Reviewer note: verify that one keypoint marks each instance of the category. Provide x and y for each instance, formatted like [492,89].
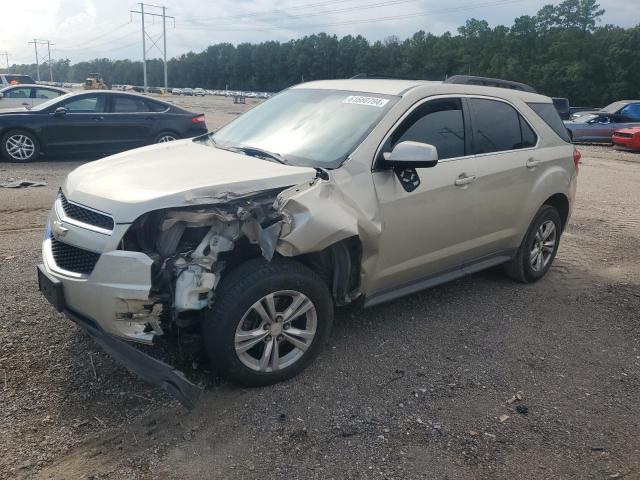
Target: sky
[86,29]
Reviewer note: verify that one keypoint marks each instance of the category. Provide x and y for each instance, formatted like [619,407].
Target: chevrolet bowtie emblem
[58,229]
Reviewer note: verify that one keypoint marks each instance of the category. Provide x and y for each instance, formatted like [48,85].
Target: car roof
[401,87]
[31,85]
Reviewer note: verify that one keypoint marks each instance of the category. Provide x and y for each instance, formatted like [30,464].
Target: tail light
[576,157]
[198,119]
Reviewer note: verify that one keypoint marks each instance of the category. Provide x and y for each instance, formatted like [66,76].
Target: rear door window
[498,127]
[550,115]
[127,104]
[439,123]
[155,106]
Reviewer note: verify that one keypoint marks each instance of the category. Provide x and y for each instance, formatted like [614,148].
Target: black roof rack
[489,82]
[378,76]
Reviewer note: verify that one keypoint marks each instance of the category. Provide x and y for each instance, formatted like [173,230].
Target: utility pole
[37,42]
[50,66]
[35,46]
[164,48]
[6,58]
[154,42]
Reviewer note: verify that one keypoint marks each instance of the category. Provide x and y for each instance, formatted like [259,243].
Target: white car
[27,95]
[199,92]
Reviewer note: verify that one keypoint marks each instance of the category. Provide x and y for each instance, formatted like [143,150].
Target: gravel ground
[479,378]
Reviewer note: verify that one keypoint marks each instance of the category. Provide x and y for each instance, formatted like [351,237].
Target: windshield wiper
[258,152]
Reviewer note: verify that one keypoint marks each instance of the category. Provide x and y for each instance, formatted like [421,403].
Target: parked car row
[599,126]
[224,93]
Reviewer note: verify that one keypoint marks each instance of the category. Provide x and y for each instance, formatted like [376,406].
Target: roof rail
[489,82]
[378,76]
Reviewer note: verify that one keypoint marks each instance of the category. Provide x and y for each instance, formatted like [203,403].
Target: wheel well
[339,266]
[561,203]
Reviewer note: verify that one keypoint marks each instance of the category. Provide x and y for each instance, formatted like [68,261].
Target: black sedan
[93,122]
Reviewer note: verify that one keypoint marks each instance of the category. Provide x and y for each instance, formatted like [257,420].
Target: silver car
[596,127]
[27,96]
[329,193]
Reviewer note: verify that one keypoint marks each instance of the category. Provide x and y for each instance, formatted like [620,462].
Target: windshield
[614,107]
[585,118]
[53,101]
[316,128]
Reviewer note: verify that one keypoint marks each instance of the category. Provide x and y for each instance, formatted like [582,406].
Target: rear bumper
[146,367]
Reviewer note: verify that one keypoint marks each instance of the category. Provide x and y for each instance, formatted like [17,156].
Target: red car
[627,139]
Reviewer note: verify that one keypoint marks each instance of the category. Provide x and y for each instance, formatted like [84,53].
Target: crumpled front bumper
[146,367]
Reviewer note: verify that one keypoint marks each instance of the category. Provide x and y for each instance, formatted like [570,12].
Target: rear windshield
[550,115]
[16,79]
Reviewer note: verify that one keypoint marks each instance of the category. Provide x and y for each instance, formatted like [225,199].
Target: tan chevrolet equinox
[331,192]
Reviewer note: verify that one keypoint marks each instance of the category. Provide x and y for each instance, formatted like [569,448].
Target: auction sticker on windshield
[371,101]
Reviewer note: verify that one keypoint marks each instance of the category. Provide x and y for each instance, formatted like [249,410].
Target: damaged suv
[329,193]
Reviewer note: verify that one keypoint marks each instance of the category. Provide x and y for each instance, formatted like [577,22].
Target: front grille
[73,259]
[623,135]
[85,215]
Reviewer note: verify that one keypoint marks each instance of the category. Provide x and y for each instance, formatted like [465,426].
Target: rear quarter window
[550,115]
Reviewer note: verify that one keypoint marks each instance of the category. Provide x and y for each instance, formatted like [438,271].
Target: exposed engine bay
[190,247]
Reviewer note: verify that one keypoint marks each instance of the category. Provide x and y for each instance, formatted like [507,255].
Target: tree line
[561,51]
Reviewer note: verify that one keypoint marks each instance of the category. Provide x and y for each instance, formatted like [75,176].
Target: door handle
[464,179]
[98,118]
[532,163]
[153,119]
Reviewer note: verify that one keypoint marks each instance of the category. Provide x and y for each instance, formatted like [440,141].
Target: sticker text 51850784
[371,101]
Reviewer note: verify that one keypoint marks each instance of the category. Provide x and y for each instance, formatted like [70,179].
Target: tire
[19,146]
[239,299]
[526,267]
[167,136]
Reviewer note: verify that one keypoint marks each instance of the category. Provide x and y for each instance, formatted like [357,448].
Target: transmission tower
[154,42]
[37,42]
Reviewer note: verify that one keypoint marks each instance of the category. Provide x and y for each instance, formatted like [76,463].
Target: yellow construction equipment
[95,81]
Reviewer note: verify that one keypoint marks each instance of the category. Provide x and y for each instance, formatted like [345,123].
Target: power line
[365,6]
[460,8]
[270,12]
[86,43]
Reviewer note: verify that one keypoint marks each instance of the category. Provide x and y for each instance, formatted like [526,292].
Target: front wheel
[539,247]
[20,146]
[268,322]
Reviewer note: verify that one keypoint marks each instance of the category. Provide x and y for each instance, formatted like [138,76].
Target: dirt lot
[417,388]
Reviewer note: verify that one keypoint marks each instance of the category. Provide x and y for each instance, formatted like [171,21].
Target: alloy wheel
[20,147]
[543,247]
[166,138]
[276,331]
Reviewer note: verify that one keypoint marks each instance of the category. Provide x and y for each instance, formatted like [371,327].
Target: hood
[630,130]
[180,173]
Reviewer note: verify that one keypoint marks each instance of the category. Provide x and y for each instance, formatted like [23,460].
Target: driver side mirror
[412,155]
[60,111]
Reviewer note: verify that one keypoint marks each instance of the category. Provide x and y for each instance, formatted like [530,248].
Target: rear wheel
[166,137]
[20,146]
[539,247]
[269,321]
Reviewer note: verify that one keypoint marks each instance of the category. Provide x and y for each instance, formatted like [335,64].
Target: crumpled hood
[174,174]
